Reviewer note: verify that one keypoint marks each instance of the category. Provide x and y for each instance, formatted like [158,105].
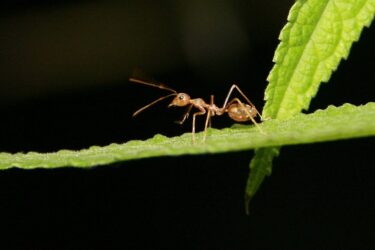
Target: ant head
[180,100]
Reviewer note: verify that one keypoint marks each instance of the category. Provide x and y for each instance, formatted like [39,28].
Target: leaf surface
[333,123]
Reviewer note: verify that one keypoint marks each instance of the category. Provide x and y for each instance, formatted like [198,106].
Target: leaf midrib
[309,41]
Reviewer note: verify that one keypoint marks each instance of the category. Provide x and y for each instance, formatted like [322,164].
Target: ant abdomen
[241,112]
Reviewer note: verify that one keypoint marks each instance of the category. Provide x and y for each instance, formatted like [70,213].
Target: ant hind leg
[232,88]
[242,105]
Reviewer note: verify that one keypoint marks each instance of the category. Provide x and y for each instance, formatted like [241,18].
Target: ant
[235,108]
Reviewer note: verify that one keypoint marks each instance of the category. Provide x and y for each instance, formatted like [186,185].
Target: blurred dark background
[64,67]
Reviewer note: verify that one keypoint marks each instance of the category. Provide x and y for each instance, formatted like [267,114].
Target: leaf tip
[248,197]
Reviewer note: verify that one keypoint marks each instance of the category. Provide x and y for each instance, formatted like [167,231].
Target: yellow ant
[236,110]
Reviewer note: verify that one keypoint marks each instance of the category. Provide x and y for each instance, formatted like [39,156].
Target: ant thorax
[198,102]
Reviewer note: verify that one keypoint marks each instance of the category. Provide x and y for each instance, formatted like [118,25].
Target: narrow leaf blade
[333,123]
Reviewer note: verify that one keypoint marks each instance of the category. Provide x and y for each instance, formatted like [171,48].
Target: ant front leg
[185,115]
[201,112]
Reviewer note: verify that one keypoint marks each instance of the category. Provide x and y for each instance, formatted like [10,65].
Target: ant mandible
[235,108]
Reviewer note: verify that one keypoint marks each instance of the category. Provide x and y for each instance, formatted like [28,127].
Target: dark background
[64,67]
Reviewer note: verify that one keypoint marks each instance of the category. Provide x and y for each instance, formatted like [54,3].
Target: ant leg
[208,120]
[211,104]
[234,86]
[201,112]
[247,112]
[185,115]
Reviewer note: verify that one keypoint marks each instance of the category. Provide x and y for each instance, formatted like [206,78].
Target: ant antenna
[152,103]
[160,86]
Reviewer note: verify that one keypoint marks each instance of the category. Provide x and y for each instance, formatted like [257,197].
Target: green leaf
[334,123]
[319,33]
[263,157]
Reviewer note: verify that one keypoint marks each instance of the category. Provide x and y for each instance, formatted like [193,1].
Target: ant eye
[181,100]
